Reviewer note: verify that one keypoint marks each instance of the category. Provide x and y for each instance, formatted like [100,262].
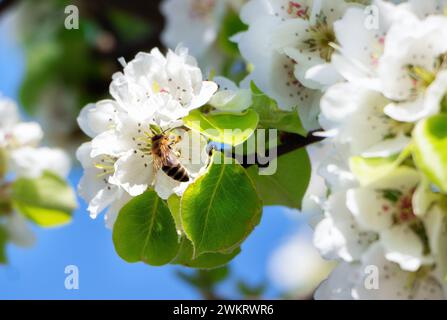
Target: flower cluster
[22,158]
[290,45]
[197,25]
[150,98]
[368,76]
[390,217]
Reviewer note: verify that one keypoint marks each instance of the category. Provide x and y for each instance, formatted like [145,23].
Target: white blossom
[393,282]
[273,70]
[414,56]
[151,97]
[20,141]
[355,116]
[194,23]
[339,235]
[94,185]
[152,74]
[376,278]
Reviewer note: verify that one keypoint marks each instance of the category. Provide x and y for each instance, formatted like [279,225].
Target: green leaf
[227,128]
[3,242]
[270,116]
[204,261]
[368,170]
[287,186]
[230,25]
[174,206]
[145,231]
[48,201]
[221,208]
[430,149]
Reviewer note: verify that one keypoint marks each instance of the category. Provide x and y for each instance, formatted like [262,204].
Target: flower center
[106,165]
[399,204]
[322,36]
[297,9]
[395,128]
[422,78]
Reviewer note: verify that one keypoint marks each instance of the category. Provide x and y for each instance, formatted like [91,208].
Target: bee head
[157,137]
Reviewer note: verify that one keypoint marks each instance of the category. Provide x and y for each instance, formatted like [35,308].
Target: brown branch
[289,142]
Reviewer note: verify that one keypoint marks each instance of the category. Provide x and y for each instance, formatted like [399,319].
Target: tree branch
[289,142]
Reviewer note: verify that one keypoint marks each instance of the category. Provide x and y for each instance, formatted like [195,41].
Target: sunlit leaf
[145,231]
[48,201]
[227,128]
[174,206]
[288,184]
[430,149]
[270,116]
[204,261]
[368,170]
[221,208]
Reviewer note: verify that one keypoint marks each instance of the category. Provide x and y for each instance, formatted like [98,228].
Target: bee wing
[168,157]
[157,163]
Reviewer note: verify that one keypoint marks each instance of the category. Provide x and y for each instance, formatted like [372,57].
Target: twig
[289,143]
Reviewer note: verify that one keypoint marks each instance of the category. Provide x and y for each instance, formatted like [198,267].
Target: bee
[166,159]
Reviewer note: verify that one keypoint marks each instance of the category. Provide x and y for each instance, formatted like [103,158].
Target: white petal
[404,247]
[388,147]
[435,93]
[368,210]
[32,162]
[339,233]
[19,231]
[133,172]
[193,151]
[9,113]
[27,133]
[423,198]
[196,30]
[324,74]
[369,205]
[206,92]
[108,143]
[410,111]
[83,154]
[112,214]
[164,185]
[96,191]
[338,285]
[102,200]
[393,283]
[97,118]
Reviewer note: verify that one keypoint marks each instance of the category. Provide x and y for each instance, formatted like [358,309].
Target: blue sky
[38,273]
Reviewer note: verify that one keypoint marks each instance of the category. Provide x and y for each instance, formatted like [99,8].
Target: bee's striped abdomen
[177,172]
